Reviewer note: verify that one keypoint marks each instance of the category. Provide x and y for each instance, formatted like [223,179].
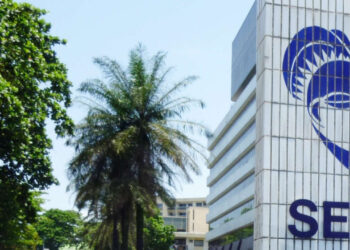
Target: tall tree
[33,88]
[133,139]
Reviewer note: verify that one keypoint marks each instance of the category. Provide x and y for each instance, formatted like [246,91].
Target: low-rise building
[188,216]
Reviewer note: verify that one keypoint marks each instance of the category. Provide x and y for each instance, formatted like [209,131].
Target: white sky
[196,34]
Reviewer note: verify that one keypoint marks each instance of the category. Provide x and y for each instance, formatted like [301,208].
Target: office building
[279,159]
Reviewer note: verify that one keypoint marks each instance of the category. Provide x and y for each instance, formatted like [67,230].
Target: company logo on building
[316,69]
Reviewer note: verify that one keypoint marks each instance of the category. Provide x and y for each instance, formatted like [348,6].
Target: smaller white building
[188,216]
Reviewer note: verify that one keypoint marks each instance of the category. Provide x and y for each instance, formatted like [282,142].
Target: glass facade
[233,214]
[236,146]
[236,168]
[232,194]
[198,243]
[232,180]
[242,237]
[178,223]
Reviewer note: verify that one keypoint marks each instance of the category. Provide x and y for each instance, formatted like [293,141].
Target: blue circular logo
[316,70]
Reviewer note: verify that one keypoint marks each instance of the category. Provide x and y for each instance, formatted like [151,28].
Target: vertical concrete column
[303,119]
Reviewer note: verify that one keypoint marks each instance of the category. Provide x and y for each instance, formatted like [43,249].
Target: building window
[198,243]
[199,204]
[160,206]
[171,214]
[182,214]
[180,242]
[180,224]
[182,205]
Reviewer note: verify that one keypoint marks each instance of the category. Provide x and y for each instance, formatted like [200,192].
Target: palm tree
[132,140]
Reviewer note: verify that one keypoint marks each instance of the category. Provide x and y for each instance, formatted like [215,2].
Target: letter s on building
[293,210]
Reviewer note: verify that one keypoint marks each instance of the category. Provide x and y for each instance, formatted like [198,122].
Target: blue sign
[328,219]
[316,70]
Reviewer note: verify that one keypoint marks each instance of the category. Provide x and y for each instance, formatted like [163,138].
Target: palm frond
[191,126]
[95,88]
[158,63]
[113,72]
[182,84]
[161,79]
[137,68]
[167,146]
[182,101]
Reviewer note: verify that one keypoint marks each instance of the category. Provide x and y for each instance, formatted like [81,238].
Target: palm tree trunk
[125,228]
[139,227]
[115,243]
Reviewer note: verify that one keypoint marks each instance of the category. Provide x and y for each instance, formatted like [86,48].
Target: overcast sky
[196,34]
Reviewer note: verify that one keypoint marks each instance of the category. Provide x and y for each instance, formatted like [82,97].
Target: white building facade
[279,159]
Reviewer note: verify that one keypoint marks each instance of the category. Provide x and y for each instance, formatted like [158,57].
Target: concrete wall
[196,220]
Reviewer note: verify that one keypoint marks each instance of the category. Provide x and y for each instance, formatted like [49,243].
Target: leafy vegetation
[33,88]
[59,228]
[97,235]
[132,141]
[157,235]
[20,231]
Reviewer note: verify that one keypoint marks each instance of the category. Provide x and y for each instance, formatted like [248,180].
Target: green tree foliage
[89,238]
[96,235]
[59,228]
[19,232]
[29,239]
[157,235]
[132,140]
[33,88]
